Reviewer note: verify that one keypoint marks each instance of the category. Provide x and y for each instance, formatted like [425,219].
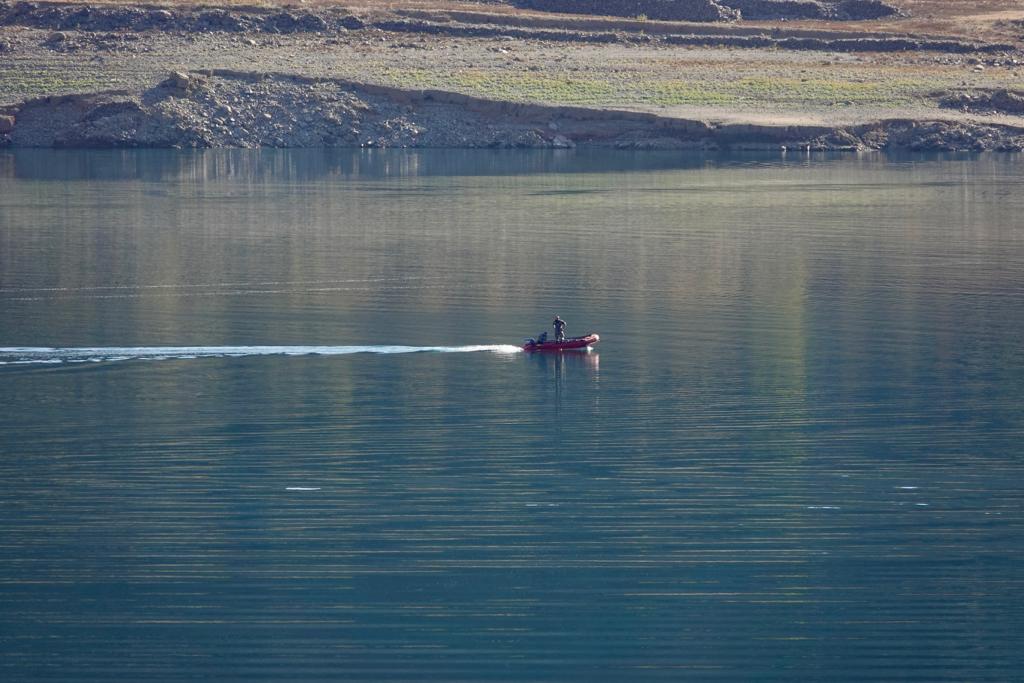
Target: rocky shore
[189,76]
[720,10]
[987,102]
[222,108]
[60,18]
[64,17]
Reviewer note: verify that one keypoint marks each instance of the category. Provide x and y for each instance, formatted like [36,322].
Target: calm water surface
[795,455]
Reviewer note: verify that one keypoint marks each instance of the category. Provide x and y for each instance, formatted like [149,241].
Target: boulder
[311,23]
[179,80]
[1009,102]
[562,142]
[154,19]
[864,10]
[352,23]
[283,22]
[217,20]
[760,10]
[1002,101]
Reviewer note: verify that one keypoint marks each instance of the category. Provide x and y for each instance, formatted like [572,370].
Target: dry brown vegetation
[757,85]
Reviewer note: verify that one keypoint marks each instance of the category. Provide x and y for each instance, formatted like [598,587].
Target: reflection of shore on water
[318,164]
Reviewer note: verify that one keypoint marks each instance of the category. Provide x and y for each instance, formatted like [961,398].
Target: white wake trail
[18,355]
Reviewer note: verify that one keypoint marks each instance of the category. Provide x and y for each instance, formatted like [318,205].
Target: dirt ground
[737,84]
[973,19]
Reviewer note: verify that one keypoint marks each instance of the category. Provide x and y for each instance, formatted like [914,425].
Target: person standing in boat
[559,326]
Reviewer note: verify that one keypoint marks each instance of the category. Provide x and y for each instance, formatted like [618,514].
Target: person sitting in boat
[541,338]
[559,326]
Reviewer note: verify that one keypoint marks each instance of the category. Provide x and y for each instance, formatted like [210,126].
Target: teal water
[262,420]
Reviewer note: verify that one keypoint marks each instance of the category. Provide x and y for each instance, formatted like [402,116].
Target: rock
[5,46]
[684,10]
[659,144]
[352,23]
[57,37]
[841,139]
[283,22]
[179,80]
[766,10]
[864,10]
[6,124]
[1003,101]
[1007,101]
[157,18]
[562,142]
[217,20]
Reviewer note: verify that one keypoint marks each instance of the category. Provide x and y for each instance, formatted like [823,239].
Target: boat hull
[565,345]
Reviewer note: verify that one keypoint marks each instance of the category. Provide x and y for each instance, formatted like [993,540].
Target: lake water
[263,417]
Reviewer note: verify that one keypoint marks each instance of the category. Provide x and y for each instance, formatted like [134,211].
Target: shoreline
[120,75]
[223,108]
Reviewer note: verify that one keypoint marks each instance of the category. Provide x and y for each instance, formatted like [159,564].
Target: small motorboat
[569,343]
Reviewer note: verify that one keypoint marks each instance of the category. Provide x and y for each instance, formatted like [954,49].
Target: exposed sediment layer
[64,17]
[999,101]
[843,10]
[720,10]
[871,44]
[239,109]
[255,20]
[685,10]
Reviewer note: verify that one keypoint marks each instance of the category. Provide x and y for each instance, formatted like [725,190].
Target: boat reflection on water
[572,374]
[561,362]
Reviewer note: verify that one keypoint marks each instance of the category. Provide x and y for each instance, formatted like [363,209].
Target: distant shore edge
[233,109]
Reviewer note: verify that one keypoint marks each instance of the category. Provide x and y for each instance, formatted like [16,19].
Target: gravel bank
[721,10]
[222,108]
[62,17]
[99,75]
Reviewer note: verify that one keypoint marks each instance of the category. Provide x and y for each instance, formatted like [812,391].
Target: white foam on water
[29,362]
[302,488]
[42,354]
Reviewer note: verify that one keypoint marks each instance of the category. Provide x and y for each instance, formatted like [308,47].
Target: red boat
[564,345]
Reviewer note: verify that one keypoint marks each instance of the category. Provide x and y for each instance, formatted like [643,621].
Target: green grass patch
[17,84]
[626,88]
[512,85]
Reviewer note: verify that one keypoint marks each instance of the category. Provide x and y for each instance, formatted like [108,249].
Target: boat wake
[35,355]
